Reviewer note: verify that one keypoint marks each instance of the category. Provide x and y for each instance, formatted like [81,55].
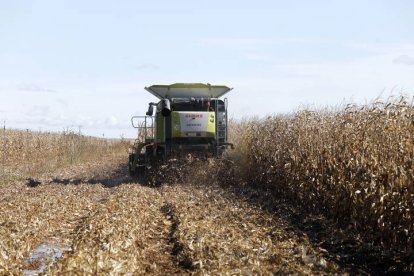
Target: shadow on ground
[343,246]
[114,178]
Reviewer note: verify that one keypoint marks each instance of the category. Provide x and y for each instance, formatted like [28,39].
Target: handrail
[145,123]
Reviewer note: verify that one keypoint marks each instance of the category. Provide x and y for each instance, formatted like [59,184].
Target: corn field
[31,153]
[354,165]
[83,214]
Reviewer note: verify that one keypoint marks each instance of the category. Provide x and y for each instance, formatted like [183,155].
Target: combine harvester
[189,119]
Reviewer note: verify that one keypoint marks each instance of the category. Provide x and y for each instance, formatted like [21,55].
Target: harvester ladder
[221,126]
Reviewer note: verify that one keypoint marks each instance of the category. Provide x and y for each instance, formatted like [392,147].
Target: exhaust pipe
[165,107]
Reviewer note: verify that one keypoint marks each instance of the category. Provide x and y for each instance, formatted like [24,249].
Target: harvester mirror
[150,111]
[165,107]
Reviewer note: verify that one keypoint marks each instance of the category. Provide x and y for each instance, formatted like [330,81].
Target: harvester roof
[185,90]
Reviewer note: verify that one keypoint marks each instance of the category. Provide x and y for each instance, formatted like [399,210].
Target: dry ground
[103,222]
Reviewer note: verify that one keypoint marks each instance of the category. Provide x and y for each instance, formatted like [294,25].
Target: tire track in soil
[130,235]
[182,258]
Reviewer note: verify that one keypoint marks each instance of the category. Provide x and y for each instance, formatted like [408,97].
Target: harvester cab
[189,118]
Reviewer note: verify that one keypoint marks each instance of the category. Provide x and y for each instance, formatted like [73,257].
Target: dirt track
[101,221]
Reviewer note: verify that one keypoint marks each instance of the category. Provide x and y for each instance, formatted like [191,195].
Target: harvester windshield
[201,105]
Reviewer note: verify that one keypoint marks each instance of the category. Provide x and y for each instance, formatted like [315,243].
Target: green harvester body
[189,118]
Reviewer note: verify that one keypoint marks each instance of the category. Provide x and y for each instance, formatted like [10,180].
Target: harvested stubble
[354,165]
[127,235]
[217,230]
[30,216]
[187,229]
[222,235]
[140,230]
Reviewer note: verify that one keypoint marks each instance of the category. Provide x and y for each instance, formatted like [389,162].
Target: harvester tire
[132,172]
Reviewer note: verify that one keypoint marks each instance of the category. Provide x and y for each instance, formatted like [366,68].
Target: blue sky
[71,64]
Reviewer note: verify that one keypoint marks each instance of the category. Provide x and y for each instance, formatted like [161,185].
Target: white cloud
[62,102]
[404,60]
[34,88]
[264,87]
[220,42]
[256,57]
[147,66]
[382,48]
[324,83]
[111,121]
[38,111]
[248,42]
